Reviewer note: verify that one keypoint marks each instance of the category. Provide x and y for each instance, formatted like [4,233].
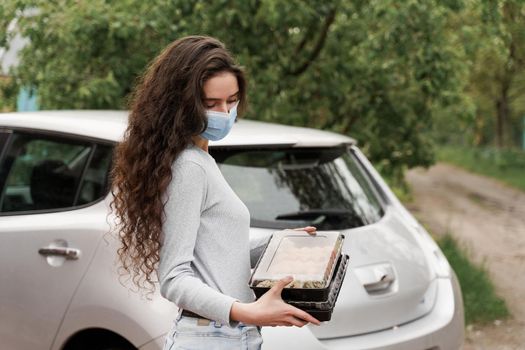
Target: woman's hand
[271,310]
[309,229]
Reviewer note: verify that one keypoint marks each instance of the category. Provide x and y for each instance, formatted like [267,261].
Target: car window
[285,188]
[41,172]
[4,136]
[95,182]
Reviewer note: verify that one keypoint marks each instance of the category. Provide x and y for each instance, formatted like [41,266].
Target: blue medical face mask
[219,123]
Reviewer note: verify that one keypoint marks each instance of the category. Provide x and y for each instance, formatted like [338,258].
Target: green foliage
[401,190]
[494,37]
[481,303]
[376,70]
[87,54]
[8,91]
[506,165]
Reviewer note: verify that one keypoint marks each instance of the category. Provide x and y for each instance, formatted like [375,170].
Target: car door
[50,185]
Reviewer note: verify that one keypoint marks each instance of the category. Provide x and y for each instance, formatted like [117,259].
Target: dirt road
[488,219]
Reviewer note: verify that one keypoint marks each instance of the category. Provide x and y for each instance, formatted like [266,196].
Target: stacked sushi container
[316,263]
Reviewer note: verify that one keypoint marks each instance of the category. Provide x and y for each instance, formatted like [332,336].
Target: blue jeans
[190,333]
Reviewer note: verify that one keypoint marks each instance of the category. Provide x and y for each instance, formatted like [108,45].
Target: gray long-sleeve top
[206,252]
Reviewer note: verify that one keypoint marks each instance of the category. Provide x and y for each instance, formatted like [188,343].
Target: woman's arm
[186,198]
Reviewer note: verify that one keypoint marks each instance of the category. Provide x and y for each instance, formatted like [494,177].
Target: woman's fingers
[309,229]
[292,315]
[279,286]
[296,321]
[290,322]
[300,314]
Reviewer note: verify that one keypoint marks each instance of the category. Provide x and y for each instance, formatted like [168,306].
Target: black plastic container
[334,288]
[296,294]
[323,310]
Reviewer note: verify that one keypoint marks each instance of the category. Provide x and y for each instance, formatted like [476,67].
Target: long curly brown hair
[166,110]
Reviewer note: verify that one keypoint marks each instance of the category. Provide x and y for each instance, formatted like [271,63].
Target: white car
[59,278]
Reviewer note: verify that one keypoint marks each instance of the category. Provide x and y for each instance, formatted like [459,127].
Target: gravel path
[488,219]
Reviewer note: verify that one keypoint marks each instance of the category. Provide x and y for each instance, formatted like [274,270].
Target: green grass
[507,166]
[482,305]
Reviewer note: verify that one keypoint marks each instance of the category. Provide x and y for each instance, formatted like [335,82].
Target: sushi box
[316,263]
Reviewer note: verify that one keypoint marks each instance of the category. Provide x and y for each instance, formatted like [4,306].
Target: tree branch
[329,19]
[304,40]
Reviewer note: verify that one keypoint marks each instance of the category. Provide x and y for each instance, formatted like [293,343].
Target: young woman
[178,217]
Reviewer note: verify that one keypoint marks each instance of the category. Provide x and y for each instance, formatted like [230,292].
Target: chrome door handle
[384,282]
[377,278]
[68,253]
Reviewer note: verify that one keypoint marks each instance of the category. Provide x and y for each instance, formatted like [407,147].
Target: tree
[376,70]
[498,75]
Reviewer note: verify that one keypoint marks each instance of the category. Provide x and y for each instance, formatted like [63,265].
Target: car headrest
[52,185]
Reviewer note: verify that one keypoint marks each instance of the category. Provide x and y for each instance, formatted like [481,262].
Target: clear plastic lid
[310,259]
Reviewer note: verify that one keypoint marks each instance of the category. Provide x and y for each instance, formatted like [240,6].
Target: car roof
[110,125]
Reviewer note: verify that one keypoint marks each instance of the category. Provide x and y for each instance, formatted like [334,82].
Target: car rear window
[285,188]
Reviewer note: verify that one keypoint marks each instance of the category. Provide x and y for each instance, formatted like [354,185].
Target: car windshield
[295,187]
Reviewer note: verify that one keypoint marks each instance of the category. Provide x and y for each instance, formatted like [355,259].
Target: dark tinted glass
[4,136]
[41,172]
[289,188]
[95,180]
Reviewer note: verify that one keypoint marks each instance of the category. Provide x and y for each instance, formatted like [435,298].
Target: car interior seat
[52,185]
